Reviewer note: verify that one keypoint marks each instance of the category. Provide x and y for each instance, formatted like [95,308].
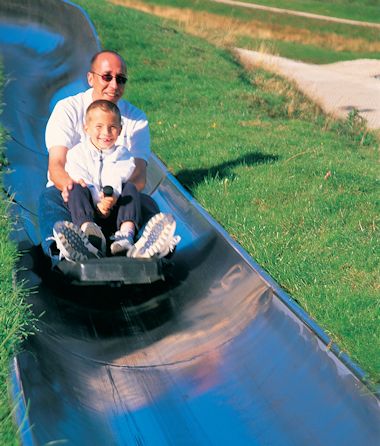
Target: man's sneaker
[95,236]
[73,243]
[157,239]
[122,244]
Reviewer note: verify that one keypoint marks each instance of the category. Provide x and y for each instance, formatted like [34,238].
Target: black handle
[108,191]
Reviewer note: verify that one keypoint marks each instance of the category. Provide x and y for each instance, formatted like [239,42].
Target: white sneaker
[122,244]
[73,243]
[158,238]
[95,236]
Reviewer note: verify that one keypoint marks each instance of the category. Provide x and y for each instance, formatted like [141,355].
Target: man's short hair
[106,106]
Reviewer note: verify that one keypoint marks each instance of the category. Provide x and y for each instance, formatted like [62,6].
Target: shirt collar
[95,152]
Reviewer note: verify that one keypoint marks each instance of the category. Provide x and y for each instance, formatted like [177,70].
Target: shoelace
[119,236]
[60,255]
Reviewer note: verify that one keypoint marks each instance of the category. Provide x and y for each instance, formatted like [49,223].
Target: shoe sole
[96,237]
[156,238]
[73,243]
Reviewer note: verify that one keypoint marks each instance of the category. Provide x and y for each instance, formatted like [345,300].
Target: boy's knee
[129,188]
[79,190]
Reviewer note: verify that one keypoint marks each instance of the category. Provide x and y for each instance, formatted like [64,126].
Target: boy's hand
[106,204]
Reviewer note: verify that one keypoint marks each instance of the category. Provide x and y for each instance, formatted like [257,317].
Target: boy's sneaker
[122,244]
[73,243]
[95,236]
[158,238]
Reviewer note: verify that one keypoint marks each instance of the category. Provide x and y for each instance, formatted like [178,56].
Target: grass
[289,36]
[298,190]
[14,316]
[362,10]
[305,52]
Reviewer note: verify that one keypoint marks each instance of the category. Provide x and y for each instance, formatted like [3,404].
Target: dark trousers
[52,208]
[131,205]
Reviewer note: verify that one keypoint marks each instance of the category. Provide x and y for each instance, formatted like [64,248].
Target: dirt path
[338,87]
[299,13]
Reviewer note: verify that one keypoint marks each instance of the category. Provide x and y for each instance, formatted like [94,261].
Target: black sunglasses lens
[107,77]
[121,79]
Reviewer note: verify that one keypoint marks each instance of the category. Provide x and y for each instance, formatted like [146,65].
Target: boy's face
[103,127]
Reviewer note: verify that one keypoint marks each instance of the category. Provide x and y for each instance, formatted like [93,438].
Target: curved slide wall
[217,354]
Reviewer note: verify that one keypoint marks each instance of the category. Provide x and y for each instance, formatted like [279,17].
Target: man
[107,78]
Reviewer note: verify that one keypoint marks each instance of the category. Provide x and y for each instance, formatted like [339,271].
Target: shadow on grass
[191,178]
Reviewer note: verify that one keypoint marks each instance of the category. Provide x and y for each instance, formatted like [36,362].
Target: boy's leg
[158,237]
[81,205]
[73,243]
[134,210]
[128,220]
[129,206]
[135,206]
[82,209]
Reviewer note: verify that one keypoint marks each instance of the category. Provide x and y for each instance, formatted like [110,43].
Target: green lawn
[296,190]
[363,10]
[309,40]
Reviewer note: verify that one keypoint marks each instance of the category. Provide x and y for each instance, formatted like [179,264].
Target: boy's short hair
[104,105]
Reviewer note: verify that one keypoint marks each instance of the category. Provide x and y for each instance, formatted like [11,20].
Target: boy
[98,162]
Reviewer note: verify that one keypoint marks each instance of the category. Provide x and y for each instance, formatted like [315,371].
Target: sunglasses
[120,79]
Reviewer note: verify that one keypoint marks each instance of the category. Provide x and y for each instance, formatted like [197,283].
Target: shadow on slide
[215,354]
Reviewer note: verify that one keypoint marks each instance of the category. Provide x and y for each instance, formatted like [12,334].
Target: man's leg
[149,208]
[51,209]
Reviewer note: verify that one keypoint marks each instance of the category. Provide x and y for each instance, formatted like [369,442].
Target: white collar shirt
[98,168]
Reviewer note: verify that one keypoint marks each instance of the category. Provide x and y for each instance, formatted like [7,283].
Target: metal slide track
[217,354]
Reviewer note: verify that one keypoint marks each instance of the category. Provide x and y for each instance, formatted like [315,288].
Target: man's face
[110,64]
[103,127]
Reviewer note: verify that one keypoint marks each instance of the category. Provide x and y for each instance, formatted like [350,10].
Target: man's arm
[57,161]
[57,172]
[138,177]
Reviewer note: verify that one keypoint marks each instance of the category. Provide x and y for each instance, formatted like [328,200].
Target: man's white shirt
[66,125]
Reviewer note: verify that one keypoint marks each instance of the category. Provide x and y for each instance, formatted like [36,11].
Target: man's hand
[67,187]
[58,174]
[106,204]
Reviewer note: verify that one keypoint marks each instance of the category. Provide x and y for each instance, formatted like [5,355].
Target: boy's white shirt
[97,168]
